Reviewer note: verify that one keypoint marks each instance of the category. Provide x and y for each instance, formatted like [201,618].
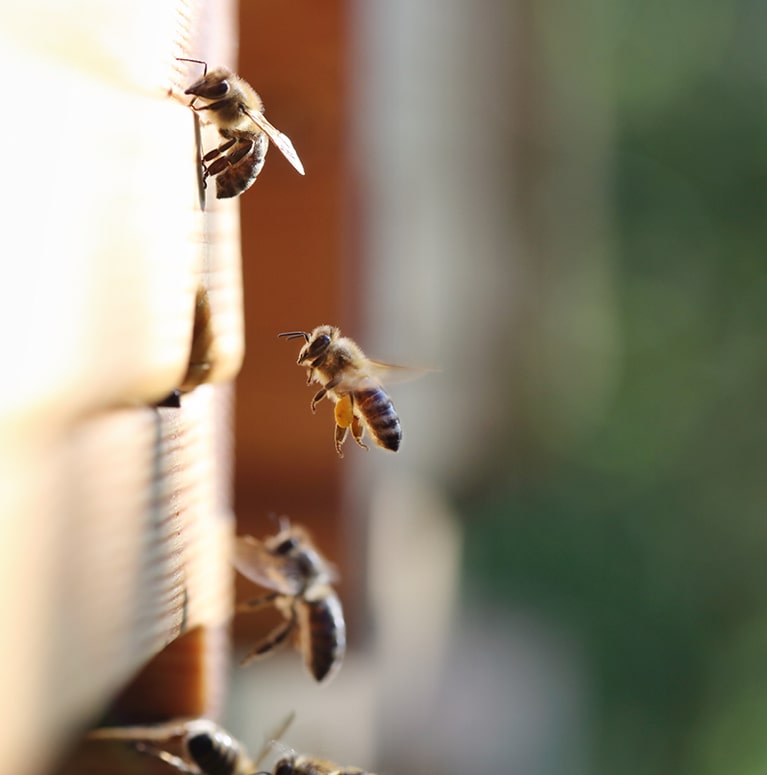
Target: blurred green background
[629,508]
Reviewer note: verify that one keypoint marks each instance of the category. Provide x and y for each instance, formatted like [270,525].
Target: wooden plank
[116,524]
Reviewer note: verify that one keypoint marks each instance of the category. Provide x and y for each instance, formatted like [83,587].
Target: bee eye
[286,546]
[219,89]
[201,746]
[319,344]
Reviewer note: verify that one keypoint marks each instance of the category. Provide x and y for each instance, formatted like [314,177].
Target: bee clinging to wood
[351,381]
[204,747]
[231,104]
[301,579]
[293,764]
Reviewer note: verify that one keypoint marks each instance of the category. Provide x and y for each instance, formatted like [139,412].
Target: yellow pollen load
[344,412]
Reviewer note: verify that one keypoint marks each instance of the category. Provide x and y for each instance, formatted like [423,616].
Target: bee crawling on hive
[203,747]
[351,381]
[296,764]
[231,104]
[301,579]
[206,748]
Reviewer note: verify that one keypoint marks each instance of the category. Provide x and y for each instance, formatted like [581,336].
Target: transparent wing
[377,373]
[273,740]
[391,372]
[154,732]
[280,139]
[253,560]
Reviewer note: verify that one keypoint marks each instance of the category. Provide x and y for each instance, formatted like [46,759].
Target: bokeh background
[561,207]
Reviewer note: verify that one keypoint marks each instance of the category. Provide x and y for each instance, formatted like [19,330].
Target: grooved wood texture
[115,515]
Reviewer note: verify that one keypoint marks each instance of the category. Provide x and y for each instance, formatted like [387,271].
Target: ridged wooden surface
[115,522]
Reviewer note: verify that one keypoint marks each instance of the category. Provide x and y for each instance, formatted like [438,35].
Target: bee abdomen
[214,754]
[380,416]
[304,765]
[237,170]
[325,630]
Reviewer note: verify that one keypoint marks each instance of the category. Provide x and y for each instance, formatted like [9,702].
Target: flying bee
[349,379]
[301,579]
[235,109]
[205,748]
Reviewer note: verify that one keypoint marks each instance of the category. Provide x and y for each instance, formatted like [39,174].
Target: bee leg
[340,438]
[325,388]
[322,394]
[210,155]
[344,414]
[271,640]
[358,429]
[242,147]
[213,162]
[174,761]
[257,603]
[317,398]
[219,165]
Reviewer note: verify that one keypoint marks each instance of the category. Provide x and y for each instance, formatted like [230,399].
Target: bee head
[215,85]
[286,546]
[201,746]
[317,343]
[285,766]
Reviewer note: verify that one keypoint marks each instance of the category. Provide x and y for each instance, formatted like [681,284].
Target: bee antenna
[295,335]
[196,61]
[281,520]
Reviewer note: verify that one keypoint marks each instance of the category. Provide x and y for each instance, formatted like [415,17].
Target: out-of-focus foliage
[646,535]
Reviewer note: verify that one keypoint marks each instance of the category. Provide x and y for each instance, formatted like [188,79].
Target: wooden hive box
[116,519]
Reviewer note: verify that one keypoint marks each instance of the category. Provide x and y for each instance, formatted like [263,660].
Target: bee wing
[273,740]
[254,561]
[155,733]
[379,373]
[280,139]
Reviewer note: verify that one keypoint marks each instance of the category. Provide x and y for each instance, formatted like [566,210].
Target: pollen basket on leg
[344,412]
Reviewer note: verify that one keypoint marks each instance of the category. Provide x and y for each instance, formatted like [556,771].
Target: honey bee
[349,379]
[292,764]
[301,579]
[205,747]
[236,110]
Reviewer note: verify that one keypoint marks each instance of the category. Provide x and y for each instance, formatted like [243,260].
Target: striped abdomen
[238,165]
[380,416]
[214,754]
[322,632]
[308,765]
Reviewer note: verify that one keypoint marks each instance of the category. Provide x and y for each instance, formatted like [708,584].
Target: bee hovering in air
[350,379]
[232,105]
[289,564]
[204,747]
